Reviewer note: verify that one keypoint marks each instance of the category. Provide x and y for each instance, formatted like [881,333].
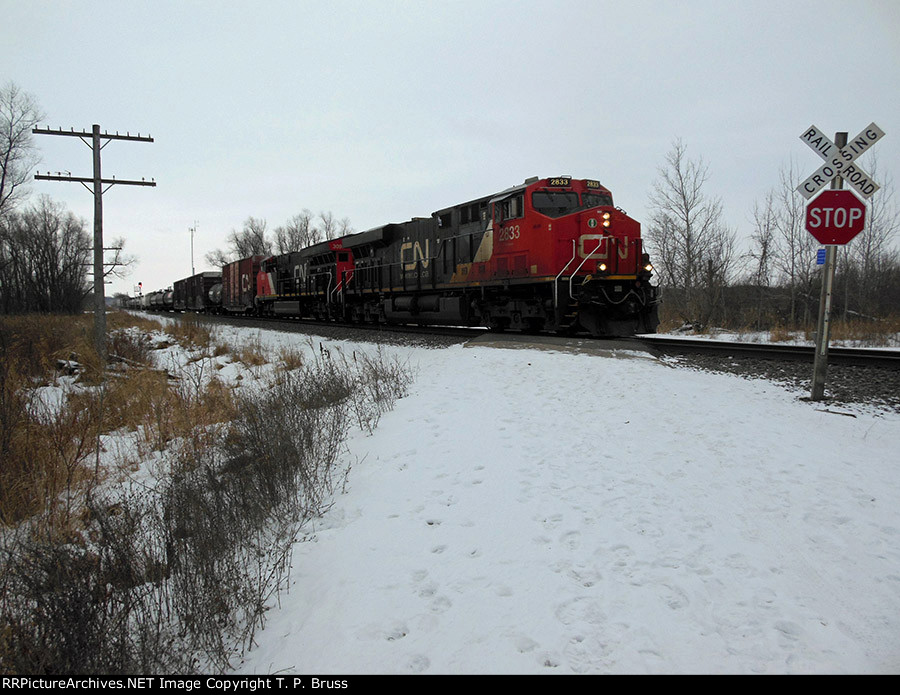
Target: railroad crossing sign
[839,161]
[835,217]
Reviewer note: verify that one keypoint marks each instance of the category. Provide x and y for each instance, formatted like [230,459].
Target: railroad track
[864,357]
[656,344]
[336,330]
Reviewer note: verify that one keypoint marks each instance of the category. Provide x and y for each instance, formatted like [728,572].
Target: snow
[552,509]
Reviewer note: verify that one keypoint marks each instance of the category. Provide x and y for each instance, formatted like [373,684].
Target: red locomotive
[549,254]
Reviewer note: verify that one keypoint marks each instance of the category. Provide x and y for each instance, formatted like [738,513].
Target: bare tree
[297,233]
[218,257]
[762,250]
[120,264]
[692,246]
[795,247]
[331,228]
[344,227]
[250,241]
[328,228]
[19,112]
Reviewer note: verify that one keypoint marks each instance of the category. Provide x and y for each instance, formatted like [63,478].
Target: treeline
[709,281]
[43,259]
[43,249]
[302,230]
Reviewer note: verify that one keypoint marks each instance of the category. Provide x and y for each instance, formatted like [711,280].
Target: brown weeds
[174,575]
[191,332]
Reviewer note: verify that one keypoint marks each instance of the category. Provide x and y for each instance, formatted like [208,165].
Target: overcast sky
[382,111]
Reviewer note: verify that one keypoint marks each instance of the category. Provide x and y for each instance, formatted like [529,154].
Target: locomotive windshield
[559,203]
[593,200]
[554,203]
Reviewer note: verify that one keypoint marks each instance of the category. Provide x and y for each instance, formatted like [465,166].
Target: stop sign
[835,217]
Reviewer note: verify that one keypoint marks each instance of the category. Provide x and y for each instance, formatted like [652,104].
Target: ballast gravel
[845,384]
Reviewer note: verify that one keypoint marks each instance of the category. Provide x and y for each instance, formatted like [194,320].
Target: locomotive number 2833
[509,233]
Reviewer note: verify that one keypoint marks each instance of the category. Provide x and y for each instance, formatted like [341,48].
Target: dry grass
[49,452]
[36,342]
[874,333]
[45,451]
[251,354]
[780,334]
[290,358]
[191,333]
[669,320]
[121,319]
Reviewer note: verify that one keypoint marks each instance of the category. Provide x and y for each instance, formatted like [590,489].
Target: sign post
[834,218]
[820,361]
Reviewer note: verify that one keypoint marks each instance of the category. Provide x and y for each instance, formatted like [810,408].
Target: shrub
[173,577]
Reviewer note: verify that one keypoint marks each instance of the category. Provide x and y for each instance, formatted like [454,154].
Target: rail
[868,357]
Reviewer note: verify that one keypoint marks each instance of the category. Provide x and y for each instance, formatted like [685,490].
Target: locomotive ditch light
[602,267]
[649,267]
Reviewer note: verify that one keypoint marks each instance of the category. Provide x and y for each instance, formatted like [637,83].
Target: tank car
[214,298]
[549,254]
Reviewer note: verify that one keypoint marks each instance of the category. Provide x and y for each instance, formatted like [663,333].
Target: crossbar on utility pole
[97,182]
[820,361]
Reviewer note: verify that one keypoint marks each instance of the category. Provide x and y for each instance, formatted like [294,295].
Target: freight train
[551,254]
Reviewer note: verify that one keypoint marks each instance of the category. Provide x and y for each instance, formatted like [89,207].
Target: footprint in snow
[417,663]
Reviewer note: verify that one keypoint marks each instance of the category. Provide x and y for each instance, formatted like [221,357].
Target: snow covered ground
[535,510]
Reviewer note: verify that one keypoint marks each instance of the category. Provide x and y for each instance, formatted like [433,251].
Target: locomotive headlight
[606,219]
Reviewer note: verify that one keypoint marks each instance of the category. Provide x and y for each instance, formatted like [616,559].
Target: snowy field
[540,511]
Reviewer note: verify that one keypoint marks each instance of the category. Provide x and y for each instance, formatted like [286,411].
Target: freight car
[161,300]
[238,294]
[549,254]
[193,293]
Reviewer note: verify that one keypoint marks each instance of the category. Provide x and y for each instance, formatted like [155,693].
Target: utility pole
[98,190]
[192,230]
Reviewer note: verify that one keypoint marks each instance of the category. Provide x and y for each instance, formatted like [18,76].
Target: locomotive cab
[591,249]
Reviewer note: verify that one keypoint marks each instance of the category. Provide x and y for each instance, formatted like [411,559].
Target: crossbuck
[840,162]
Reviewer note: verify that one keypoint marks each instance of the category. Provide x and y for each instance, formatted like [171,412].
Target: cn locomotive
[550,254]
